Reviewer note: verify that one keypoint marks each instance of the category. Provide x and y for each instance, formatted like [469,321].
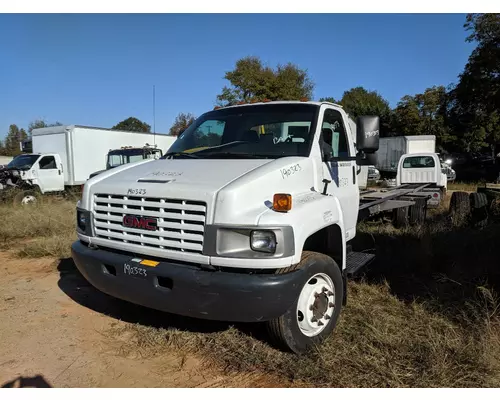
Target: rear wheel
[418,211]
[400,217]
[313,316]
[460,207]
[479,209]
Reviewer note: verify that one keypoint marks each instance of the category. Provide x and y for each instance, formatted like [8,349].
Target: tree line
[464,116]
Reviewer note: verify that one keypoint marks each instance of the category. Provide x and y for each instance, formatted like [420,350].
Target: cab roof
[316,103]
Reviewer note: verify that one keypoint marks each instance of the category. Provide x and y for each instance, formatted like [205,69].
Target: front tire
[313,316]
[27,198]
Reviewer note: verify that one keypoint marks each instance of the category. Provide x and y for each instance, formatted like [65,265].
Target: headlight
[82,220]
[264,241]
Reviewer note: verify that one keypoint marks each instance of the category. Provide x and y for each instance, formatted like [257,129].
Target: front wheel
[26,198]
[313,316]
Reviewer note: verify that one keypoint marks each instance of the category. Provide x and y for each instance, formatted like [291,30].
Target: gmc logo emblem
[147,223]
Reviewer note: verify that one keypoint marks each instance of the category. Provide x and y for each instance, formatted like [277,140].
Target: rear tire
[314,314]
[460,208]
[418,211]
[479,209]
[400,217]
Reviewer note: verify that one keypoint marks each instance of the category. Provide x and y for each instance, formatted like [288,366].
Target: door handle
[59,171]
[354,174]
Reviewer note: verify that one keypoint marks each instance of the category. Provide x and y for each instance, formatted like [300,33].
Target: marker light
[282,202]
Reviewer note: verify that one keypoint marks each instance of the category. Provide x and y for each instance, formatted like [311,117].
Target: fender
[311,212]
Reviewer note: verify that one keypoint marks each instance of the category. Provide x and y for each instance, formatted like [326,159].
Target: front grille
[181,223]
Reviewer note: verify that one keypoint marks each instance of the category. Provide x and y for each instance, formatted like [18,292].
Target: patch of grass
[462,186]
[424,315]
[41,230]
[380,342]
[52,246]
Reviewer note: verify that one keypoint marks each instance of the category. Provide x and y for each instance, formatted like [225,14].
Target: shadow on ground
[441,267]
[75,286]
[37,381]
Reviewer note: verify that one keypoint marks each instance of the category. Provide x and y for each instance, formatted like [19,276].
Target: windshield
[260,131]
[24,161]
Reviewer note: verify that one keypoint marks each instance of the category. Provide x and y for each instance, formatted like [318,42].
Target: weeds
[42,230]
[379,342]
[424,315]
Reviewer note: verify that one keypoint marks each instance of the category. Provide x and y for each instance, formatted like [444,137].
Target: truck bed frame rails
[374,201]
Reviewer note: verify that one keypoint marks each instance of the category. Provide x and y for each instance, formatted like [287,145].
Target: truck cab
[423,169]
[252,226]
[129,154]
[43,172]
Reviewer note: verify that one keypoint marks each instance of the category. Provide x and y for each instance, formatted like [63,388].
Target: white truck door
[50,173]
[341,170]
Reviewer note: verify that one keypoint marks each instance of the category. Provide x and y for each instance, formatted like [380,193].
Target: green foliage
[252,81]
[424,114]
[132,124]
[181,123]
[329,100]
[359,101]
[475,100]
[10,146]
[40,123]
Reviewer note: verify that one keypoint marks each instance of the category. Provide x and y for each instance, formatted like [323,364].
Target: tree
[475,100]
[359,101]
[14,137]
[329,100]
[132,124]
[252,81]
[40,123]
[181,123]
[424,114]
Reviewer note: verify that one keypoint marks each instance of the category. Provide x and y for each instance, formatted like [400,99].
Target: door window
[47,162]
[334,135]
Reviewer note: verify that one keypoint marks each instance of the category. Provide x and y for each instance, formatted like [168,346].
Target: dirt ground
[53,334]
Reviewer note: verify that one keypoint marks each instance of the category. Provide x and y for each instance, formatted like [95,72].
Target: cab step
[357,260]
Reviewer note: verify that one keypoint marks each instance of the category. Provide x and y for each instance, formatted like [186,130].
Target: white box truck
[63,157]
[392,148]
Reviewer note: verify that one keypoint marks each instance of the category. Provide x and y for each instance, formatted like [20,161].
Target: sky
[98,69]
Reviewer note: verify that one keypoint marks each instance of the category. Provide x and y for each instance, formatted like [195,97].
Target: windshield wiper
[180,153]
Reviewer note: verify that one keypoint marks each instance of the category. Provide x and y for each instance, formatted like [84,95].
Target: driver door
[341,169]
[50,174]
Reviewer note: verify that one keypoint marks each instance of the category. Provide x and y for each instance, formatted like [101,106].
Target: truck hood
[247,186]
[201,175]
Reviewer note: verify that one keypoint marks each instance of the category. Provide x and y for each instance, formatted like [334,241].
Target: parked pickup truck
[254,226]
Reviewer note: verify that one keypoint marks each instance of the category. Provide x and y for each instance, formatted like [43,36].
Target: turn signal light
[282,202]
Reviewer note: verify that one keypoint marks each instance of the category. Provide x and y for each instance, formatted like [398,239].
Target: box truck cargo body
[392,148]
[83,150]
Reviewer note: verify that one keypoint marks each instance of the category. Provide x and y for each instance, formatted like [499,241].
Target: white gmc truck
[247,218]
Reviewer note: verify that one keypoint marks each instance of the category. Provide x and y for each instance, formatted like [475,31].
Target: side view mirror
[367,133]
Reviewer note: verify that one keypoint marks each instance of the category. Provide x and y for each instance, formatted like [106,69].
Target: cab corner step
[357,260]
